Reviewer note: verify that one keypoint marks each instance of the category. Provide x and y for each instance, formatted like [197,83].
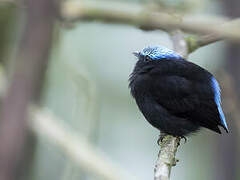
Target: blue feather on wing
[217,98]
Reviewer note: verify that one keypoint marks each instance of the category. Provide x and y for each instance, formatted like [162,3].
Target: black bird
[174,95]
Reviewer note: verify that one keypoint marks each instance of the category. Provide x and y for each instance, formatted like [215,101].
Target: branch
[169,144]
[166,157]
[179,43]
[148,20]
[195,42]
[89,158]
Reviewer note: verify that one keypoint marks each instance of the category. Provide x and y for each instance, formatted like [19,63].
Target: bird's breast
[140,84]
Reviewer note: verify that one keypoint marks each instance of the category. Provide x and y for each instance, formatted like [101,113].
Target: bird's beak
[136,53]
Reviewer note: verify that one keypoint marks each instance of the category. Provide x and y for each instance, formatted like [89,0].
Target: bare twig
[166,157]
[30,65]
[89,158]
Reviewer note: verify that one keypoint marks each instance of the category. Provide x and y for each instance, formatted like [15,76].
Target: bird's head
[153,53]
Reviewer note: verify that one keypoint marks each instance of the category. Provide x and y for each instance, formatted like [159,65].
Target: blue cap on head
[159,52]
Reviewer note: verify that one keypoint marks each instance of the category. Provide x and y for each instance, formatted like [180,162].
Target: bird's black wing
[175,93]
[186,98]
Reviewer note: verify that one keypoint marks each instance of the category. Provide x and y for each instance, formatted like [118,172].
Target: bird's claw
[161,137]
[183,137]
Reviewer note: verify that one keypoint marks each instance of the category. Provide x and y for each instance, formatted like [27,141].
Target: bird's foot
[183,137]
[175,162]
[162,135]
[160,138]
[180,138]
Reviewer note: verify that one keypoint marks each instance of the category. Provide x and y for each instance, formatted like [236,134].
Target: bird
[174,95]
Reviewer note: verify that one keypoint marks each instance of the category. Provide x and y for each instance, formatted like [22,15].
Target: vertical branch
[31,61]
[179,43]
[169,144]
[166,157]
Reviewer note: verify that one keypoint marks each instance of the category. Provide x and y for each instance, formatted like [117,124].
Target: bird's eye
[147,58]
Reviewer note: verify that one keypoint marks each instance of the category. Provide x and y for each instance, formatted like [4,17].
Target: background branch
[89,158]
[31,61]
[43,123]
[148,20]
[195,42]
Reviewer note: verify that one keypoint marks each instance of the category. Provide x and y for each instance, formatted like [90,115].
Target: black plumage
[174,95]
